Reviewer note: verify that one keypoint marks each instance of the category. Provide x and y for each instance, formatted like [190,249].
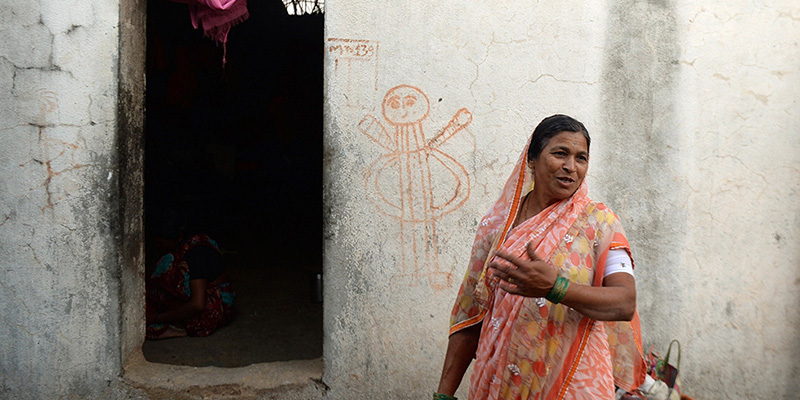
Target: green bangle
[442,396]
[559,290]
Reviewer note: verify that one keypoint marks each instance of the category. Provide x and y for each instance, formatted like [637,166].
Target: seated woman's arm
[192,308]
[614,301]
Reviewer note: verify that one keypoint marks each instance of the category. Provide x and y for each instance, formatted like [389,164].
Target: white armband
[618,261]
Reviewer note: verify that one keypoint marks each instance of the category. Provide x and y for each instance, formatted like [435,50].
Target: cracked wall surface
[58,258]
[740,66]
[695,138]
[696,132]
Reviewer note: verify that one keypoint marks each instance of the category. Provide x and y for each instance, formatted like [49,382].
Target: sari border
[512,214]
[468,322]
[575,353]
[499,239]
[620,242]
[639,367]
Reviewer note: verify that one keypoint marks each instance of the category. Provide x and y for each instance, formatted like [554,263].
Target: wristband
[559,290]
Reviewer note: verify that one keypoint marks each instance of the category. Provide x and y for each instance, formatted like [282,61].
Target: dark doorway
[237,153]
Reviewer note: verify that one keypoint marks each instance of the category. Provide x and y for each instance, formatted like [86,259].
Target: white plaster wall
[59,320]
[693,115]
[694,118]
[738,101]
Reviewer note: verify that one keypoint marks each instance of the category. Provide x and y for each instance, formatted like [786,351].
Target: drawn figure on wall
[415,182]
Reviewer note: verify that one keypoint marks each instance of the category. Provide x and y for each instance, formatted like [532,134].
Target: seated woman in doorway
[189,292]
[548,305]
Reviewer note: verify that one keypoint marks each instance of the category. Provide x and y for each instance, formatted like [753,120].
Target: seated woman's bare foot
[172,332]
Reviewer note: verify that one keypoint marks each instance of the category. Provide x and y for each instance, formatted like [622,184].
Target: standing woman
[548,305]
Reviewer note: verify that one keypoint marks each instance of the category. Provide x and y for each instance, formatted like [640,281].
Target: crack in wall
[10,289]
[561,80]
[35,256]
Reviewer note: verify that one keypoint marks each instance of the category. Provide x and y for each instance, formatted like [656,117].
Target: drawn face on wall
[405,105]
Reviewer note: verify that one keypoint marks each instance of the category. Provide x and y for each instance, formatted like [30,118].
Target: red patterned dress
[169,286]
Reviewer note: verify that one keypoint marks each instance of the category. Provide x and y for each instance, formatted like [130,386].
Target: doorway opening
[236,152]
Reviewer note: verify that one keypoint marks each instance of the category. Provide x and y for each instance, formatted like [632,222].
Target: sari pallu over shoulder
[468,311]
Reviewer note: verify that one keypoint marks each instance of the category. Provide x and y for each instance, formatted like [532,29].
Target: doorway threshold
[296,379]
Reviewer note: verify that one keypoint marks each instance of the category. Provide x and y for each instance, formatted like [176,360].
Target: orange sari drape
[530,348]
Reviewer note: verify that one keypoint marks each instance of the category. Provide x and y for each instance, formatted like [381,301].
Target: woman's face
[560,168]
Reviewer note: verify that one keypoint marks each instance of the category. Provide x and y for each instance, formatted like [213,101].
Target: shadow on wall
[640,79]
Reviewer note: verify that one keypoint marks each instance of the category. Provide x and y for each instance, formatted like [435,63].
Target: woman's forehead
[573,140]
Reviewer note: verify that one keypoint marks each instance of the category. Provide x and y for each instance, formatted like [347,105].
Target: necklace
[523,214]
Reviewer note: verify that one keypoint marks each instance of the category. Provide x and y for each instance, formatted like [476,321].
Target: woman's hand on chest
[531,277]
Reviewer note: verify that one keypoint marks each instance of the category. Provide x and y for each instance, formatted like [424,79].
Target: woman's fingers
[518,275]
[531,249]
[516,261]
[508,266]
[502,270]
[509,287]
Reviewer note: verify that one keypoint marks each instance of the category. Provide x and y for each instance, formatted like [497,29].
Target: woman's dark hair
[551,126]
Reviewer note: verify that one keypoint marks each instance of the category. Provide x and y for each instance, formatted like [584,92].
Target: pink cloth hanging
[217,17]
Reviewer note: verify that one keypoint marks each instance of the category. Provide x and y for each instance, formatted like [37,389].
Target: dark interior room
[235,151]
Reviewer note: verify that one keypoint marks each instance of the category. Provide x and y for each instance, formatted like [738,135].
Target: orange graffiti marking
[353,59]
[415,182]
[51,149]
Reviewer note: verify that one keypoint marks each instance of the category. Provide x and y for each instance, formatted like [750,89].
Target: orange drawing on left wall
[415,183]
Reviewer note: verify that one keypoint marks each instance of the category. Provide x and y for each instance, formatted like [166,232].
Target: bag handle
[669,349]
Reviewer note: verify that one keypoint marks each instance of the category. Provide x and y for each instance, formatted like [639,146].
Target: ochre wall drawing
[52,152]
[352,60]
[415,182]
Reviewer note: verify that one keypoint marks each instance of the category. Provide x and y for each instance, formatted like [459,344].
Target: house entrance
[236,152]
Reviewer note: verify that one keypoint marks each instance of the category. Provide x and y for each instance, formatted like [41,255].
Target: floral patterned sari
[530,348]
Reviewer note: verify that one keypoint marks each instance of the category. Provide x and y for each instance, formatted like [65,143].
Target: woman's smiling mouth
[566,180]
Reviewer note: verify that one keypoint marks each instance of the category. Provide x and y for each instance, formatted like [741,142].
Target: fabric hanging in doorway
[217,17]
